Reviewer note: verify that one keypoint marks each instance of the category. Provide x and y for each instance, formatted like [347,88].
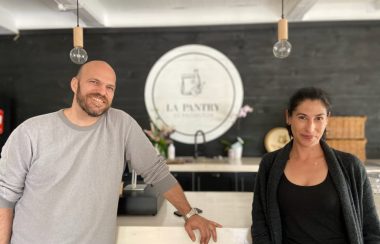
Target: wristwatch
[191,213]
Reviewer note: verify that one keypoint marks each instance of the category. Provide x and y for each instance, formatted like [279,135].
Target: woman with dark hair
[307,192]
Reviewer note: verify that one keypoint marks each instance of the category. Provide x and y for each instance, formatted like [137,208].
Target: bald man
[60,172]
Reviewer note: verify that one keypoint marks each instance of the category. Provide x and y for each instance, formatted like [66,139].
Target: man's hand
[207,228]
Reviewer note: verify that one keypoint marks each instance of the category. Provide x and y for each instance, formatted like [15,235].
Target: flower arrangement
[160,138]
[243,113]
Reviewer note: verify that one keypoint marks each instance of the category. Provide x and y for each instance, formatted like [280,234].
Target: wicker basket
[356,147]
[346,127]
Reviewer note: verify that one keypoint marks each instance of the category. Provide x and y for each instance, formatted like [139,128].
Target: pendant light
[282,48]
[78,55]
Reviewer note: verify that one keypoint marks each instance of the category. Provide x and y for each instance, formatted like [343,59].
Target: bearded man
[60,172]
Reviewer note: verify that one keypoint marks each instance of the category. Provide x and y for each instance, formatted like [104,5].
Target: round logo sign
[191,88]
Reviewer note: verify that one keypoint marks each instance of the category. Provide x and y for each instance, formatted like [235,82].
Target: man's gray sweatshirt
[63,180]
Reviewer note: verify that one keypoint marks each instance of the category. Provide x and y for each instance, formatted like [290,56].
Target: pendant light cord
[77,13]
[282,9]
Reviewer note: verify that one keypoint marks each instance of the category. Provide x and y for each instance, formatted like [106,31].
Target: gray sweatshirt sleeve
[15,160]
[144,159]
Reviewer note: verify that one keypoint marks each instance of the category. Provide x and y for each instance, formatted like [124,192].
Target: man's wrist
[191,213]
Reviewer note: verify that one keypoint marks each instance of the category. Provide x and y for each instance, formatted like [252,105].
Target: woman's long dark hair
[308,93]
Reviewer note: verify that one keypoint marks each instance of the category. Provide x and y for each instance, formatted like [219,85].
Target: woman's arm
[371,223]
[259,229]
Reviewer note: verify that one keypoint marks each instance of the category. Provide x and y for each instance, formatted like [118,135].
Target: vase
[161,150]
[235,152]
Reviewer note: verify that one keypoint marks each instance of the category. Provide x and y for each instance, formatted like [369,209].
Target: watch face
[192,212]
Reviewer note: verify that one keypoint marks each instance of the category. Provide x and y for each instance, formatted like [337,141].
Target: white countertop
[178,235]
[231,209]
[246,164]
[232,205]
[372,165]
[215,165]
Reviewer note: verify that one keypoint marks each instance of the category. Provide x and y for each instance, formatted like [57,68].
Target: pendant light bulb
[282,48]
[78,55]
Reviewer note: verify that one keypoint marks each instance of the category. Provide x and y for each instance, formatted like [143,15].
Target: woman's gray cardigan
[353,187]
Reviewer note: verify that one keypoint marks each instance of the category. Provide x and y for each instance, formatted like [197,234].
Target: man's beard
[86,106]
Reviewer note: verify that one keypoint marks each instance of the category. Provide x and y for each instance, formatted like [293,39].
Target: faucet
[196,142]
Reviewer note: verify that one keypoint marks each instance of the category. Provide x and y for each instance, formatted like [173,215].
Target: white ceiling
[16,15]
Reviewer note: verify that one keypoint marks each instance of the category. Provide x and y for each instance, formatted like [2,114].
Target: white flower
[243,112]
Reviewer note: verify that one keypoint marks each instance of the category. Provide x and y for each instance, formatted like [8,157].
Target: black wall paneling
[339,57]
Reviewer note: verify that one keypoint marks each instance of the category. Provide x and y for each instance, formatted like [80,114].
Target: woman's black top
[311,214]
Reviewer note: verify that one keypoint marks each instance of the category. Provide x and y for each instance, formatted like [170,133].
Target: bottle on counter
[171,152]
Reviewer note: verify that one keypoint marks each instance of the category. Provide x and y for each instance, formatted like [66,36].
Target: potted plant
[235,147]
[160,138]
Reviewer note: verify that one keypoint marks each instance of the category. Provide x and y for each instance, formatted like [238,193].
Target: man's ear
[74,84]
